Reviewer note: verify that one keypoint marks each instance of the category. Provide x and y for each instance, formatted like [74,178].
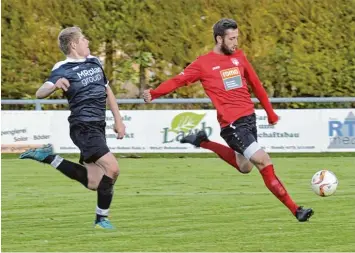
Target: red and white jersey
[225,79]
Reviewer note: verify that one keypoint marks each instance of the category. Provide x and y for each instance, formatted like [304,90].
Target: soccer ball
[324,183]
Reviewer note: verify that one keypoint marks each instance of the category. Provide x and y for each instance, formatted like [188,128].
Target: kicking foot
[104,223]
[38,154]
[303,214]
[195,139]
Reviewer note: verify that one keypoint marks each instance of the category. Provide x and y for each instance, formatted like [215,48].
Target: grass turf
[177,204]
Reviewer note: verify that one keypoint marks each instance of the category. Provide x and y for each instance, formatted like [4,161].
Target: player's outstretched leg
[263,162]
[45,154]
[227,154]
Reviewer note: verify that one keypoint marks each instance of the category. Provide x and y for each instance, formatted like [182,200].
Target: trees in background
[298,47]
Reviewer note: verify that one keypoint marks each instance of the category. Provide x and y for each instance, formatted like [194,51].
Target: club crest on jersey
[235,61]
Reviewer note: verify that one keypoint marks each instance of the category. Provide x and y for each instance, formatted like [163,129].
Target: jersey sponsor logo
[229,73]
[89,72]
[90,75]
[231,78]
[91,79]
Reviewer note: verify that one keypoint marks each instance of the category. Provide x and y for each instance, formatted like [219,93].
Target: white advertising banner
[296,131]
[340,130]
[159,131]
[21,130]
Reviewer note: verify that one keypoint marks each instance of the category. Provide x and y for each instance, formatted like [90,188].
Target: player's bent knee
[116,172]
[92,187]
[93,183]
[110,164]
[243,164]
[244,171]
[246,167]
[114,169]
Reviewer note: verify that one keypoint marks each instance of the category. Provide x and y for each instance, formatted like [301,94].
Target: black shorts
[90,138]
[241,134]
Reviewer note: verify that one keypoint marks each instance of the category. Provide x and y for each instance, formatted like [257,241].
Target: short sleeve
[57,73]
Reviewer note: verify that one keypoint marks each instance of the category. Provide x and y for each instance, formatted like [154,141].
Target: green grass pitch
[177,204]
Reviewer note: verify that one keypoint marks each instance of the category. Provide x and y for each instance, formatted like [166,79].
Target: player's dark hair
[219,29]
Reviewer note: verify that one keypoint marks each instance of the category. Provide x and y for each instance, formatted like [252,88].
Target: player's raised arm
[259,91]
[190,75]
[54,82]
[45,90]
[48,88]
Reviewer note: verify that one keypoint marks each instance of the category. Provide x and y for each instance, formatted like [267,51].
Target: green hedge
[298,47]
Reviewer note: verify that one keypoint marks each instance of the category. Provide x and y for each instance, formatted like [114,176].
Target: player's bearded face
[227,49]
[230,41]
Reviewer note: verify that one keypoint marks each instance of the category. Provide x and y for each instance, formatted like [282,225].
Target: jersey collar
[75,60]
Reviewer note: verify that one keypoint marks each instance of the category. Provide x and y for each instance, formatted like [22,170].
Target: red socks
[270,179]
[276,187]
[225,153]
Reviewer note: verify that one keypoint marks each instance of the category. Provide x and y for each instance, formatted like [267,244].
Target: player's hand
[147,96]
[62,83]
[120,129]
[273,119]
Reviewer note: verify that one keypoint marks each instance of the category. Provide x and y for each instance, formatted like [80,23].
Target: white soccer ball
[324,183]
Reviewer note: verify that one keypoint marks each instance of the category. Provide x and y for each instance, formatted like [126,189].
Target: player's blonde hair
[67,36]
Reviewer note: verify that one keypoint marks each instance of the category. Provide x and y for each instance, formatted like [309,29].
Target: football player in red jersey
[225,74]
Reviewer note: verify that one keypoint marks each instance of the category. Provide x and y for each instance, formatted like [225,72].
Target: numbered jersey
[87,92]
[224,79]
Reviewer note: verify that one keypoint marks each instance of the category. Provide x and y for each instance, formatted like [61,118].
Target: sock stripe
[102,212]
[57,161]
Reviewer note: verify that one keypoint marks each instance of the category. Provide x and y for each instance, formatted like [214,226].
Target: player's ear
[73,45]
[219,40]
